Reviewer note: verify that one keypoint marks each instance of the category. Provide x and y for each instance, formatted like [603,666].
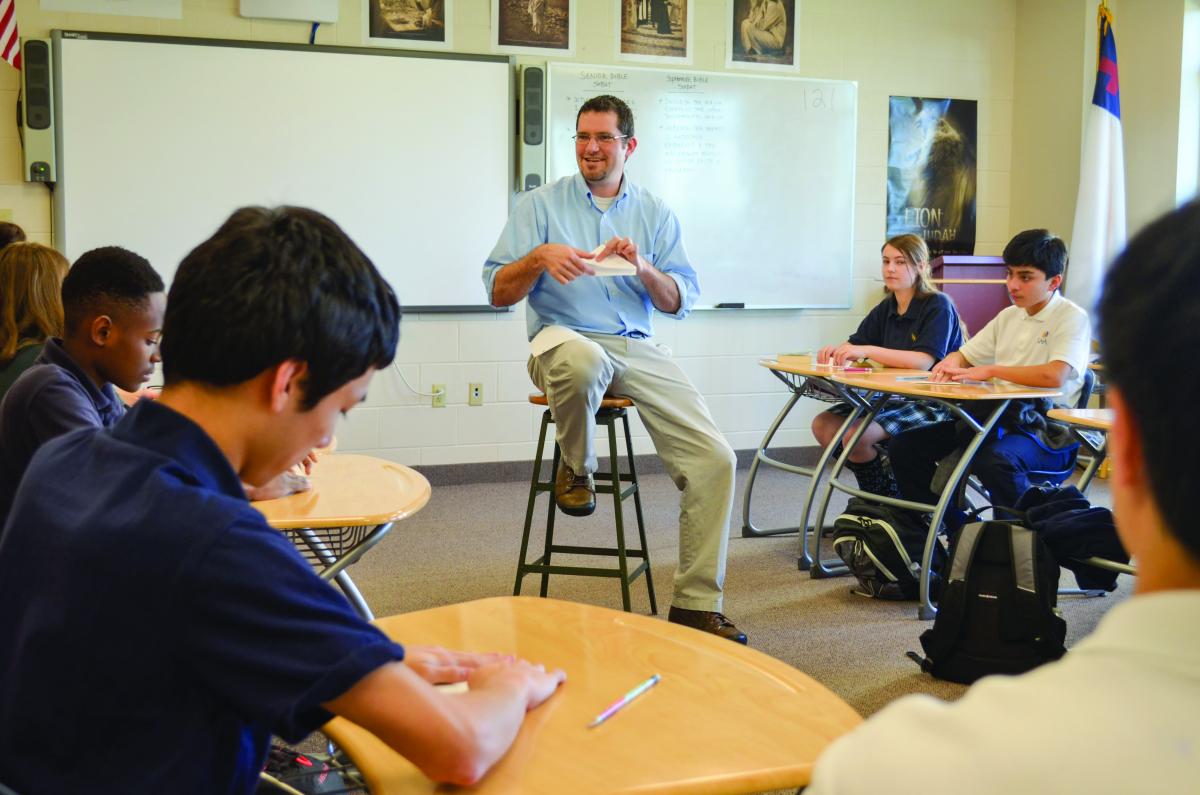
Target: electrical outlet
[439,396]
[474,394]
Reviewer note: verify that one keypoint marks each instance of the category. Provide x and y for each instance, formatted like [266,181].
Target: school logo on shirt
[1044,339]
[914,336]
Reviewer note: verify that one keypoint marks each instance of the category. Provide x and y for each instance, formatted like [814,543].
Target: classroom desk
[1090,419]
[724,719]
[352,505]
[796,374]
[884,385]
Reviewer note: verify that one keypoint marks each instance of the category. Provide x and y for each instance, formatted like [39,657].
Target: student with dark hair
[113,308]
[30,305]
[913,327]
[148,605]
[10,233]
[590,336]
[1118,713]
[1042,340]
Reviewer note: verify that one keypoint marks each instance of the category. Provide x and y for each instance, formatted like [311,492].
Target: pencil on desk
[620,703]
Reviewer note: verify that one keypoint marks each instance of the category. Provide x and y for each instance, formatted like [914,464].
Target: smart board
[159,139]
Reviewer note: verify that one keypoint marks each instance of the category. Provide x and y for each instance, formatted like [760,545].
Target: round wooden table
[723,719]
[353,503]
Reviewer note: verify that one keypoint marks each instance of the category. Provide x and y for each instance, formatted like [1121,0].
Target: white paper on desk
[612,265]
[551,337]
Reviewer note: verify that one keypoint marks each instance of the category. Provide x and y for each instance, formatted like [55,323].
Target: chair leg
[615,484]
[637,508]
[551,510]
[533,492]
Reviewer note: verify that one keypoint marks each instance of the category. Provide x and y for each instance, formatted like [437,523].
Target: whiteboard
[759,170]
[160,139]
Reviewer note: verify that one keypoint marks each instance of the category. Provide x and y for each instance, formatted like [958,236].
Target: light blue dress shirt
[564,212]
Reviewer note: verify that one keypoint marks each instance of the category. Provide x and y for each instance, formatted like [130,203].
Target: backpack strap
[1028,620]
[964,550]
[951,614]
[1023,558]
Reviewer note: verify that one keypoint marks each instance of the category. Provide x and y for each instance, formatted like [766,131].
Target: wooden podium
[975,283]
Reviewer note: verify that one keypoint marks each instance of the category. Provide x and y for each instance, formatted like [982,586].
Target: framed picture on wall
[410,24]
[534,27]
[654,30]
[762,34]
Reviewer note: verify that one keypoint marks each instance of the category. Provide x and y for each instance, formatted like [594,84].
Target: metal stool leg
[618,514]
[533,492]
[551,510]
[637,508]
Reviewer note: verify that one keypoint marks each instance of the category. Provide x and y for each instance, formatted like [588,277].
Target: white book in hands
[612,265]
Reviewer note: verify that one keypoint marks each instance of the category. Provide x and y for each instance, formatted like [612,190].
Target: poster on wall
[932,146]
[654,30]
[411,24]
[534,27]
[762,34]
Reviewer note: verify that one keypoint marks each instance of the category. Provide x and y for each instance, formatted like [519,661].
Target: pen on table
[620,703]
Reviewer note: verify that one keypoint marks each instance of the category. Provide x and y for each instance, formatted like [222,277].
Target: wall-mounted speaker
[35,111]
[531,112]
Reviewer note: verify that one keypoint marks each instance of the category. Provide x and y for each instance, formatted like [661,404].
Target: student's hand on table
[307,463]
[940,372]
[846,353]
[825,353]
[943,374]
[439,666]
[564,263]
[538,683]
[279,486]
[981,373]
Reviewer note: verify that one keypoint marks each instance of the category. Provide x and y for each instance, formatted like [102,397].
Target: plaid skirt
[901,415]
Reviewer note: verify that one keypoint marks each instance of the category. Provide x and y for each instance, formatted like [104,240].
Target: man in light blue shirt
[591,336]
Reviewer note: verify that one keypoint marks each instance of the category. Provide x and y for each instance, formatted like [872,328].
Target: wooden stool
[611,410]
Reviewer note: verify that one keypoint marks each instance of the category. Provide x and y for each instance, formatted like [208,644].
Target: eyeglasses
[602,139]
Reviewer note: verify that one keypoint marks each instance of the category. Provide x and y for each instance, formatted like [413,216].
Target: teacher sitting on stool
[592,335]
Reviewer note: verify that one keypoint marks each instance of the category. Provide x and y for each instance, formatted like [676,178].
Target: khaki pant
[577,374]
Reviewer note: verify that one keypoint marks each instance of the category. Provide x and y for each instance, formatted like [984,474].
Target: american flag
[10,40]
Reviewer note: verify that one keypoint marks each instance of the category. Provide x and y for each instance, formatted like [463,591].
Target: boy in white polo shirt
[1042,340]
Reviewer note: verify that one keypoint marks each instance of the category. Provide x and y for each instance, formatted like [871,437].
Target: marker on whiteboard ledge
[731,305]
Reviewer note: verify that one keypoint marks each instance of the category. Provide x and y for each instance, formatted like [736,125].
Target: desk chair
[611,410]
[1058,477]
[1037,476]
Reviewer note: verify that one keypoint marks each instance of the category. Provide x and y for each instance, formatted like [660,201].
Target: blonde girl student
[914,327]
[31,309]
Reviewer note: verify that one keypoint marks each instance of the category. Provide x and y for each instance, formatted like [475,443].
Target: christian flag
[1099,233]
[10,40]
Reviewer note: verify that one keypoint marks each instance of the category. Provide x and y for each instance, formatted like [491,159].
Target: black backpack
[882,547]
[997,612]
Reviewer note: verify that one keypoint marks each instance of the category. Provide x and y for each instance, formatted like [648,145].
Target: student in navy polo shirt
[113,312]
[913,327]
[156,631]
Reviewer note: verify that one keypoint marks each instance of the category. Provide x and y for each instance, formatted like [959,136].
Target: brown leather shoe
[713,623]
[575,494]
